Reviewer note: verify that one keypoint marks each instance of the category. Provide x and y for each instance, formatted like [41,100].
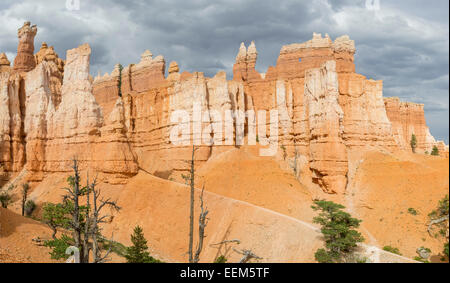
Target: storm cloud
[404,42]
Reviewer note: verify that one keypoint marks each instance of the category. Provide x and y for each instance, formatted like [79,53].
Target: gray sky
[404,42]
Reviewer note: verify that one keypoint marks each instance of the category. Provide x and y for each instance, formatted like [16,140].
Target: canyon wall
[52,111]
[408,118]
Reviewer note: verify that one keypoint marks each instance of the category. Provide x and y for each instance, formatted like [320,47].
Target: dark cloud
[405,43]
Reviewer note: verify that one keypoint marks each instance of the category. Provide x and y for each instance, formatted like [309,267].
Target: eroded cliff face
[50,116]
[24,60]
[408,118]
[52,111]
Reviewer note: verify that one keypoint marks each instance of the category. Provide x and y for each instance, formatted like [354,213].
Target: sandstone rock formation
[328,151]
[407,119]
[173,67]
[53,111]
[4,63]
[360,120]
[24,60]
[49,120]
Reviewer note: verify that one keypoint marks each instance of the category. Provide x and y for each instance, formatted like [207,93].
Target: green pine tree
[138,252]
[338,231]
[435,151]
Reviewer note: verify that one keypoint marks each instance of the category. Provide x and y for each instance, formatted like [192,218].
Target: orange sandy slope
[386,186]
[252,199]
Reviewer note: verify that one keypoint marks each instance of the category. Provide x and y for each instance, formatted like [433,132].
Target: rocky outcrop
[340,112]
[365,122]
[4,63]
[147,74]
[173,68]
[77,127]
[244,68]
[408,118]
[24,60]
[328,151]
[12,155]
[121,122]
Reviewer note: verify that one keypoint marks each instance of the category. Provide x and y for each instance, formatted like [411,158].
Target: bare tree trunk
[98,205]
[54,231]
[436,221]
[202,222]
[96,250]
[247,255]
[87,223]
[191,218]
[76,210]
[25,189]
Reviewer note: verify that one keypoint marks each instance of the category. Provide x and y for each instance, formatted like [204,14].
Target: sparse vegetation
[186,179]
[30,206]
[361,260]
[284,152]
[413,143]
[338,229]
[138,252]
[5,196]
[439,217]
[81,220]
[56,216]
[116,247]
[392,250]
[418,258]
[221,259]
[435,151]
[446,250]
[412,211]
[59,247]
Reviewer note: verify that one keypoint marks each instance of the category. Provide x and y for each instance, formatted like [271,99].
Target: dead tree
[436,222]
[74,194]
[225,244]
[98,205]
[247,255]
[202,222]
[87,225]
[25,189]
[191,214]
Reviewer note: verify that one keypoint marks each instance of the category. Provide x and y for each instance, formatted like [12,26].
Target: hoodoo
[52,110]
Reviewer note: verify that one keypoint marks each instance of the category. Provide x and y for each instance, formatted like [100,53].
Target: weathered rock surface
[328,151]
[52,111]
[359,122]
[24,60]
[408,118]
[4,63]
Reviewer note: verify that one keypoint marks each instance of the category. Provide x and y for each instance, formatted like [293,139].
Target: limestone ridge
[52,110]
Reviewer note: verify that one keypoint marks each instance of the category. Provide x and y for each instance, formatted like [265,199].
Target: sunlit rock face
[116,124]
[24,60]
[408,118]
